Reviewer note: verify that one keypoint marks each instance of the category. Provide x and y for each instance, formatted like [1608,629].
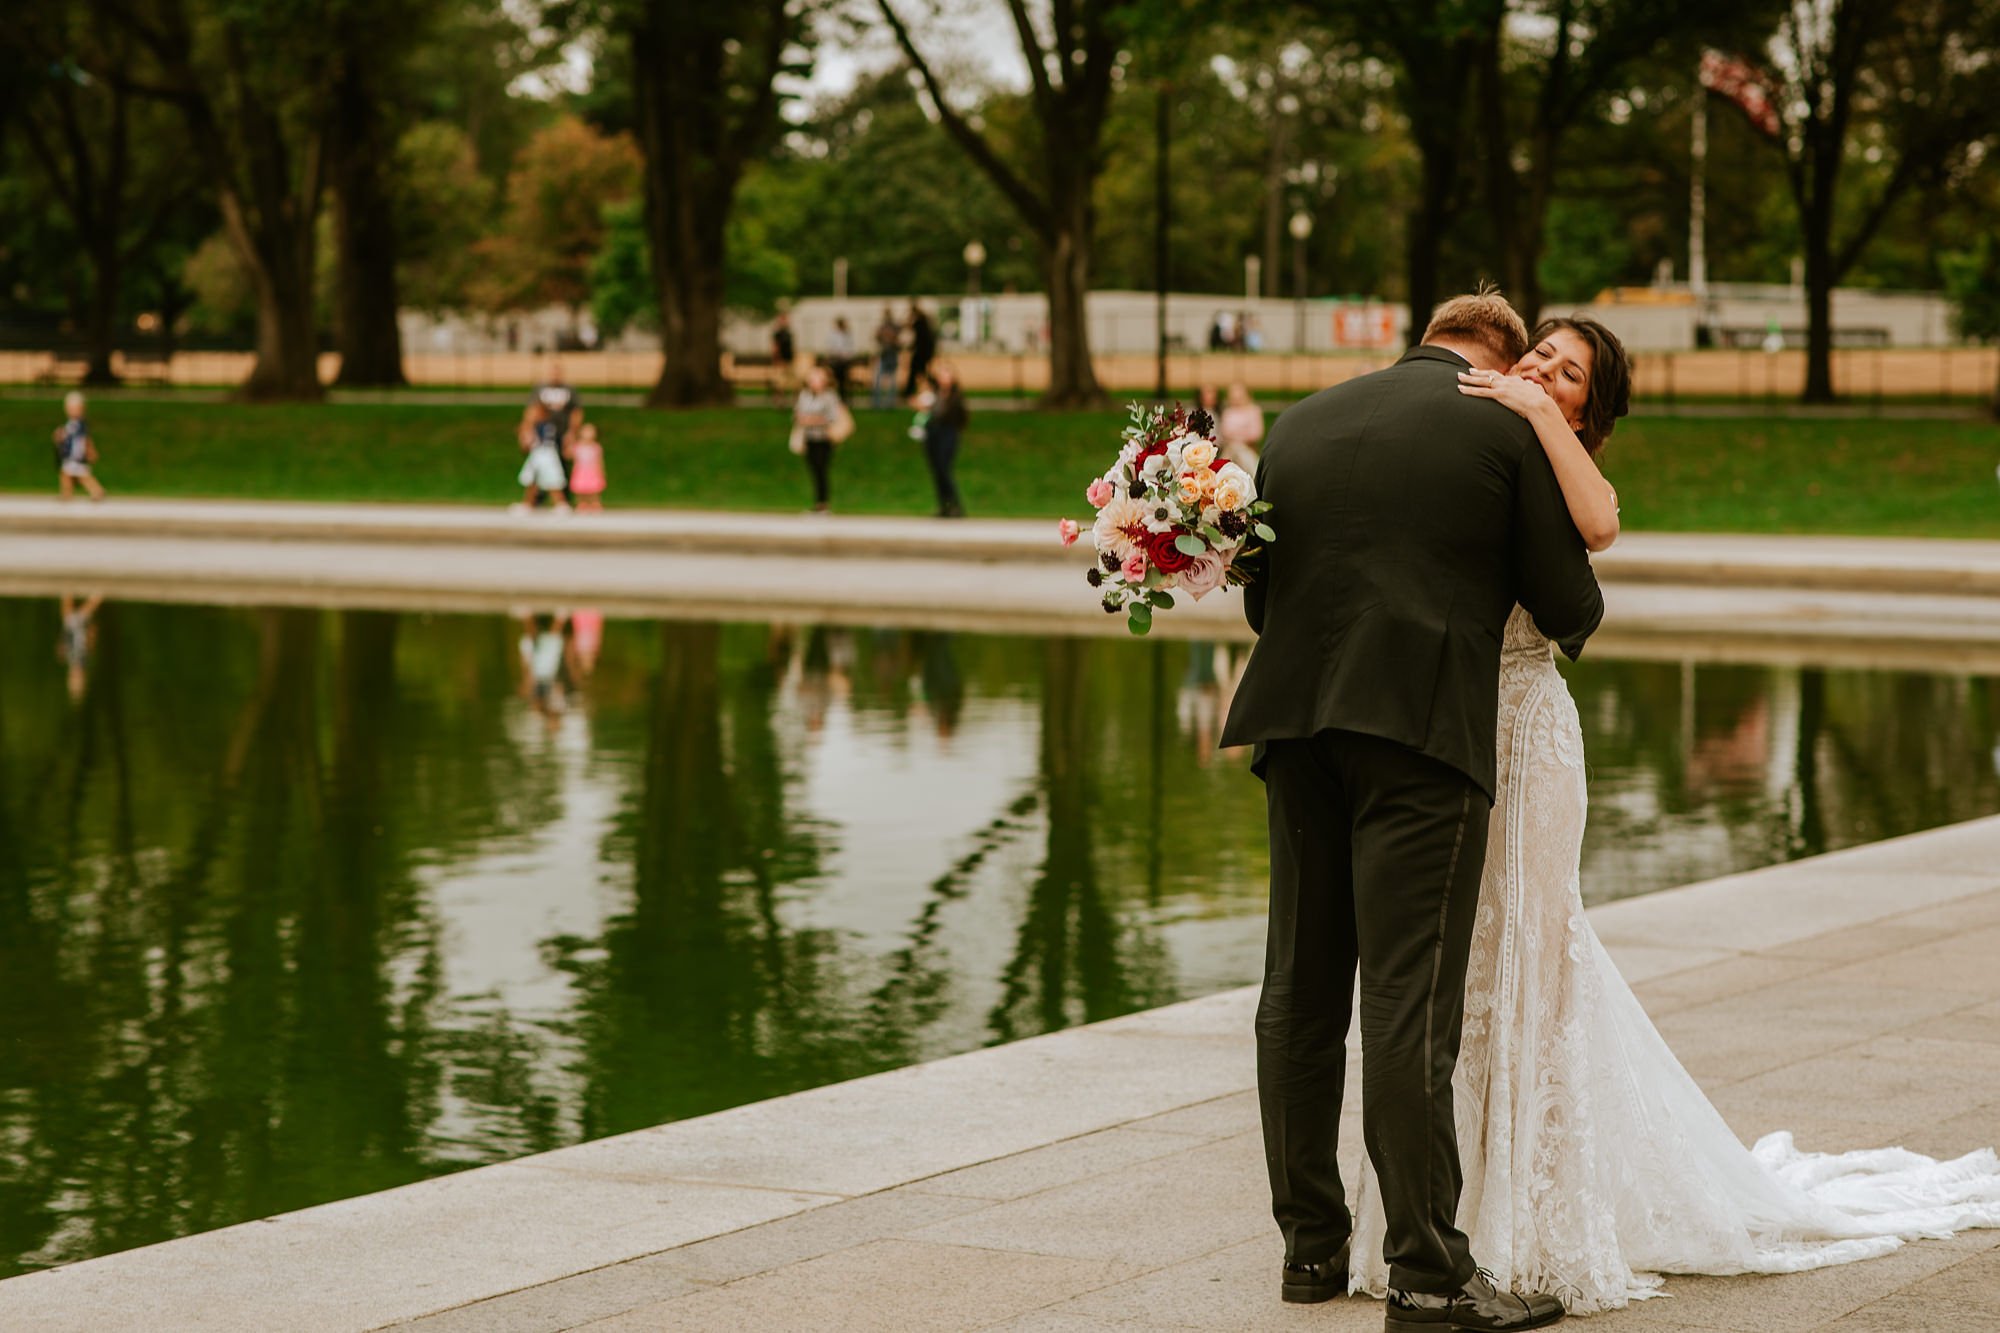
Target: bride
[1592,1161]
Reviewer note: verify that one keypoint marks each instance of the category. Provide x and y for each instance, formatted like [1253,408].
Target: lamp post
[975,259]
[1301,227]
[971,327]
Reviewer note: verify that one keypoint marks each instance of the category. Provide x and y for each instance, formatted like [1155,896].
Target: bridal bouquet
[1170,514]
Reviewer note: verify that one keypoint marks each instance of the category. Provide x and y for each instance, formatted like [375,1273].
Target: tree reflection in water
[295,905]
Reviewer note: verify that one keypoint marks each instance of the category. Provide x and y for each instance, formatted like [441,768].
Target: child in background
[586,469]
[542,469]
[75,450]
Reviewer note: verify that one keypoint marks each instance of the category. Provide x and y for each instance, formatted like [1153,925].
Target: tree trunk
[689,250]
[688,194]
[101,316]
[1818,236]
[1427,224]
[1274,203]
[287,364]
[1072,376]
[691,335]
[364,228]
[1503,185]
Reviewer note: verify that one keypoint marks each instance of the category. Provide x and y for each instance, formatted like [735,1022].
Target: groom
[1411,519]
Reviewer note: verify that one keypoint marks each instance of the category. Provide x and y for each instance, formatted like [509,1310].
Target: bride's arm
[1593,504]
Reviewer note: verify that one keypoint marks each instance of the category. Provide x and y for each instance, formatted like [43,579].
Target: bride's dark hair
[1610,395]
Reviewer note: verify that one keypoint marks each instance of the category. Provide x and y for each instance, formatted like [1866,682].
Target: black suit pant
[1376,855]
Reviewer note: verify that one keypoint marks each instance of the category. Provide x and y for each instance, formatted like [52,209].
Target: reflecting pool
[296,905]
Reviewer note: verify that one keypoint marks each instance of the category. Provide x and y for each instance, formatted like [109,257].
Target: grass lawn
[1756,474]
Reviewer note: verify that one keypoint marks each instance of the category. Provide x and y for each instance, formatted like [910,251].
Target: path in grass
[1755,474]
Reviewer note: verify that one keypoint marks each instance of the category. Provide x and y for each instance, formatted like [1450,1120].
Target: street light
[971,322]
[975,258]
[1301,227]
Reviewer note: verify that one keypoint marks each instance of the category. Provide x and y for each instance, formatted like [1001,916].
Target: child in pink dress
[586,470]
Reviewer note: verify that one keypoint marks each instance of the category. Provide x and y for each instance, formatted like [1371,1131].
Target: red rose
[1219,464]
[1164,555]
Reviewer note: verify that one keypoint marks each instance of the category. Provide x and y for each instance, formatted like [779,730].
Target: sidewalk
[1925,605]
[1870,564]
[1110,1177]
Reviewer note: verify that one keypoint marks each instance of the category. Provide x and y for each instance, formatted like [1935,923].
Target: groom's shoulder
[1344,402]
[1417,393]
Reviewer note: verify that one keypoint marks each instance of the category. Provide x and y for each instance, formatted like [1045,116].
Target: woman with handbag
[942,430]
[819,422]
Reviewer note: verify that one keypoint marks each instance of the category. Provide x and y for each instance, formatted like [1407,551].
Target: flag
[1745,85]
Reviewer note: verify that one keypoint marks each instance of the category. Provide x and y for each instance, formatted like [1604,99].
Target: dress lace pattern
[1593,1162]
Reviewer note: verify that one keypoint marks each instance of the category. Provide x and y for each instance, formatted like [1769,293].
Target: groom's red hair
[1485,318]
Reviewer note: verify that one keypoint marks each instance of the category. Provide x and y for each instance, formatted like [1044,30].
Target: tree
[252,82]
[443,205]
[705,105]
[370,42]
[400,63]
[867,178]
[1973,279]
[622,288]
[1887,94]
[109,161]
[1070,73]
[1435,48]
[554,221]
[1565,56]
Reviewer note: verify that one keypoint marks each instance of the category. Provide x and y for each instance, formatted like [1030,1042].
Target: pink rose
[1204,575]
[1100,493]
[1135,568]
[1068,529]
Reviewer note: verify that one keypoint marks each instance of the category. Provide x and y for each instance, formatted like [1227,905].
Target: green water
[296,905]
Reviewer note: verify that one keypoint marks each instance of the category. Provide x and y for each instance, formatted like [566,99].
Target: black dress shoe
[1476,1307]
[1309,1284]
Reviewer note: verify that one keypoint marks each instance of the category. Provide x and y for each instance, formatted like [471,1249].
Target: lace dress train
[1592,1161]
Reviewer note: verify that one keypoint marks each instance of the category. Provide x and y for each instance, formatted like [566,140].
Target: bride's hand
[1521,396]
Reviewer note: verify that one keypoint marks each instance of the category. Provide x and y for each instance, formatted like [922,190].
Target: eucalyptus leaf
[1263,530]
[1139,618]
[1189,544]
[1163,600]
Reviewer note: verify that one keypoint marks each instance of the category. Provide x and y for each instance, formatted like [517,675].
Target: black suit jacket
[1410,520]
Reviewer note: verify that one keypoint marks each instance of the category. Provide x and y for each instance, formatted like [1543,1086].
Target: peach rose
[1231,494]
[1198,455]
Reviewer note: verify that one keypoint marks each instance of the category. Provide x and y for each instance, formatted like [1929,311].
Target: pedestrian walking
[840,355]
[923,346]
[942,433]
[819,422]
[784,354]
[586,469]
[76,451]
[888,355]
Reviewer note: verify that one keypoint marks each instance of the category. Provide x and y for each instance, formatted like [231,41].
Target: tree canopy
[275,171]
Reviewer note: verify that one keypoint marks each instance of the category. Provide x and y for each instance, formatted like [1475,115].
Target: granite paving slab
[1111,1176]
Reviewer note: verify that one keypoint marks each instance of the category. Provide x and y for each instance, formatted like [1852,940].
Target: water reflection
[295,905]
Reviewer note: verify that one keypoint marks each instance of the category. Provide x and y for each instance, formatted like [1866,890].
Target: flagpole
[1698,197]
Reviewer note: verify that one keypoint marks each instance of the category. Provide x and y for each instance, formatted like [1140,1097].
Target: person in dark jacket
[942,433]
[1409,523]
[923,346]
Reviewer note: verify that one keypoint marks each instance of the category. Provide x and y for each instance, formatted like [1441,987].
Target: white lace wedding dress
[1592,1160]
